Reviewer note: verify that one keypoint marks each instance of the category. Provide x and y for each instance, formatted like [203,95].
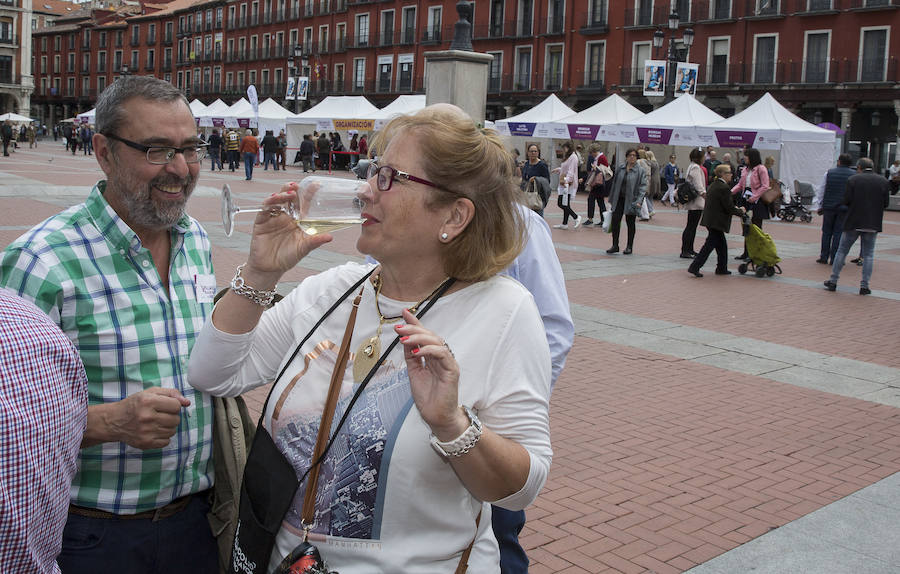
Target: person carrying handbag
[753,184]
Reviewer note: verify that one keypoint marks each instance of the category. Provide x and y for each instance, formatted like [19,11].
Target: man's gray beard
[144,212]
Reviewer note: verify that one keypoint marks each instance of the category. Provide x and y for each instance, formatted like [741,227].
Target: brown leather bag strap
[464,559]
[334,391]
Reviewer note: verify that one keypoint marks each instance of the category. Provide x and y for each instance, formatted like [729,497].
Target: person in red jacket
[249,150]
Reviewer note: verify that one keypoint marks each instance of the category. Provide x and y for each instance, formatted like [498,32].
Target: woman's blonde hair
[770,161]
[468,162]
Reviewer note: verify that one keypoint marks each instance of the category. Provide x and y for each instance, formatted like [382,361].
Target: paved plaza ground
[717,425]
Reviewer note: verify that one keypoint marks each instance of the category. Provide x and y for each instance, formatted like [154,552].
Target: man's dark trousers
[832,227]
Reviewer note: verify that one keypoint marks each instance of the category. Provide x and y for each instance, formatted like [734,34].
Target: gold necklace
[369,351]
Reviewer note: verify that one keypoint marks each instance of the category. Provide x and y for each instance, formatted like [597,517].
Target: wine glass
[326,204]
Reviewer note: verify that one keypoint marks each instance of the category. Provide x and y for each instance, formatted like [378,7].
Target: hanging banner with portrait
[686,79]
[654,78]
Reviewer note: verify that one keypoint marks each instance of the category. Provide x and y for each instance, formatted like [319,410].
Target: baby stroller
[761,251]
[797,207]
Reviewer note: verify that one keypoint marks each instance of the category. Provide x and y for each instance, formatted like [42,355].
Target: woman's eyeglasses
[387,175]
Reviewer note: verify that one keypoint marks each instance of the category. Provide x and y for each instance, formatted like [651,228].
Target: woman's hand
[278,243]
[433,378]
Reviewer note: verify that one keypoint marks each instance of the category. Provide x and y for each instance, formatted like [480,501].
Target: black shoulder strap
[308,335]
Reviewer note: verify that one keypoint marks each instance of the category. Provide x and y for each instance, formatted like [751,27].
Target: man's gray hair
[110,112]
[865,163]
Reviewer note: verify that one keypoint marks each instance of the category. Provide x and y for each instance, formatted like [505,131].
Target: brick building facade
[827,60]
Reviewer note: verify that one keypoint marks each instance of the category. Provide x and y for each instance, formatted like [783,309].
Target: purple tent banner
[521,129]
[654,135]
[582,132]
[729,138]
[244,122]
[218,122]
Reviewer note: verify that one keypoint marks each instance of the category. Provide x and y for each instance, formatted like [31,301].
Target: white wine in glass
[325,204]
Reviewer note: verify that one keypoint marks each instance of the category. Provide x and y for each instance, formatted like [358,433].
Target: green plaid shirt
[88,270]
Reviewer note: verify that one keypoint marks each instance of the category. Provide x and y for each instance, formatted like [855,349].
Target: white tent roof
[539,121]
[593,122]
[197,108]
[774,122]
[89,115]
[806,150]
[680,122]
[240,109]
[217,109]
[406,104]
[270,109]
[355,107]
[14,117]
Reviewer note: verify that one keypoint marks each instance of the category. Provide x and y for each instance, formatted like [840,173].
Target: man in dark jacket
[270,146]
[716,219]
[6,134]
[832,208]
[866,197]
[215,150]
[307,150]
[324,148]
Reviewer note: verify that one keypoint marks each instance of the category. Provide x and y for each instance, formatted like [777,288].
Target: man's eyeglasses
[161,155]
[386,176]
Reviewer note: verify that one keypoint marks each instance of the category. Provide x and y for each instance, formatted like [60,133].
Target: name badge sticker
[205,286]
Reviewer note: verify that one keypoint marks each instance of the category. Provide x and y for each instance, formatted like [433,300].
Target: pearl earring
[444,236]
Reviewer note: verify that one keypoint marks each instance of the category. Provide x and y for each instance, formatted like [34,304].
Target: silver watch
[464,442]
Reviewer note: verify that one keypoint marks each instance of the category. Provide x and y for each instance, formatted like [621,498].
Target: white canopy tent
[240,115]
[334,113]
[406,104]
[540,121]
[213,115]
[593,123]
[88,117]
[14,117]
[197,108]
[680,122]
[806,150]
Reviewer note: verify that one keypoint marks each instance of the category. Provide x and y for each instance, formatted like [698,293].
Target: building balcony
[9,41]
[151,40]
[594,23]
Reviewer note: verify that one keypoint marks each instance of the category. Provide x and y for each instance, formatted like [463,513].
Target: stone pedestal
[460,78]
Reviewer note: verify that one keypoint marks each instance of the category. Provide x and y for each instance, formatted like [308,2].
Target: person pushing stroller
[717,219]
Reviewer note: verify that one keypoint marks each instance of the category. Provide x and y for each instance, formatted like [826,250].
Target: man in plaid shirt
[43,410]
[128,277]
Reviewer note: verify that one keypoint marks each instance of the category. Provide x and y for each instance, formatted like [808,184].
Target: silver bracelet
[239,287]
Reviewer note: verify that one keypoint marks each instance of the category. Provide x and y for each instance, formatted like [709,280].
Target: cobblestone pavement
[735,423]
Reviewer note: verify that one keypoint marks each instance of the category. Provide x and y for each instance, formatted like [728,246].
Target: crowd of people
[632,185]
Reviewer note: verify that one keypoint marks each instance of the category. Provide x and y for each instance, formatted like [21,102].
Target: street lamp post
[300,60]
[672,57]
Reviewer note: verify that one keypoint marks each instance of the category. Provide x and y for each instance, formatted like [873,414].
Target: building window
[764,59]
[101,61]
[523,69]
[433,31]
[86,86]
[815,60]
[6,69]
[819,5]
[718,61]
[387,28]
[362,30]
[151,59]
[556,16]
[229,80]
[683,7]
[409,25]
[70,63]
[385,70]
[323,39]
[640,51]
[554,67]
[495,72]
[597,10]
[643,14]
[495,28]
[526,17]
[873,54]
[339,78]
[595,61]
[721,10]
[766,7]
[135,55]
[405,73]
[56,64]
[359,74]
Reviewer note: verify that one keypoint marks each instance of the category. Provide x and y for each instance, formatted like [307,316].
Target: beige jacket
[694,174]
